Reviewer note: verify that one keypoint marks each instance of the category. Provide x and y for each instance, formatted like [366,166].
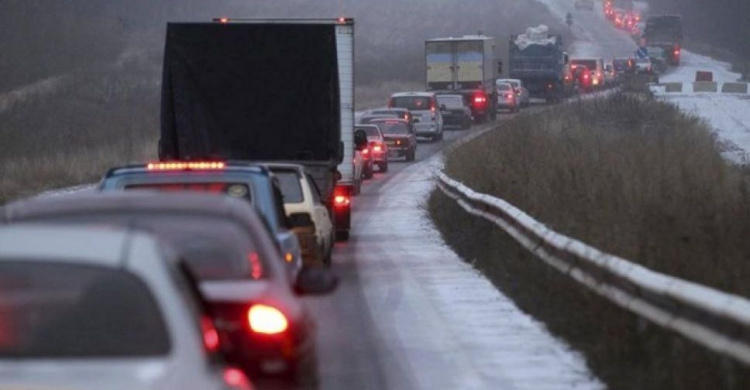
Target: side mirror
[360,139]
[301,220]
[315,281]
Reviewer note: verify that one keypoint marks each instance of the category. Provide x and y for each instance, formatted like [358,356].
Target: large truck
[467,66]
[265,90]
[665,32]
[539,60]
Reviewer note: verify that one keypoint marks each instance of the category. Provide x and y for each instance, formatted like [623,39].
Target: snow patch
[535,36]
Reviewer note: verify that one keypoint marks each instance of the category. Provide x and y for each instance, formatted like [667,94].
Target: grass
[74,134]
[633,177]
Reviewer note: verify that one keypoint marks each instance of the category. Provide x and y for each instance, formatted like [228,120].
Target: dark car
[255,184]
[264,326]
[399,136]
[455,110]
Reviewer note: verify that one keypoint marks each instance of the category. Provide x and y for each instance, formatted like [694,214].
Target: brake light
[266,319]
[236,379]
[341,201]
[377,148]
[223,20]
[210,335]
[181,166]
[509,96]
[585,76]
[677,52]
[479,99]
[365,151]
[398,142]
[256,267]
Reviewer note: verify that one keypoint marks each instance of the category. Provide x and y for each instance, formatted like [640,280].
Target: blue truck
[539,60]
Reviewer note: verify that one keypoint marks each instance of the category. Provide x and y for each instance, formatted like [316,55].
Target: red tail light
[235,379]
[377,148]
[398,142]
[266,320]
[509,96]
[677,52]
[341,201]
[365,151]
[256,267]
[210,335]
[181,166]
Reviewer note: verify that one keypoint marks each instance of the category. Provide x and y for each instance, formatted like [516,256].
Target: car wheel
[384,166]
[342,235]
[369,172]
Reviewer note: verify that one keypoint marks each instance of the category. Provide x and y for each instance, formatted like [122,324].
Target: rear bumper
[426,129]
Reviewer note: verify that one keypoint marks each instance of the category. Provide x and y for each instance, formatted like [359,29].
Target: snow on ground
[443,316]
[728,114]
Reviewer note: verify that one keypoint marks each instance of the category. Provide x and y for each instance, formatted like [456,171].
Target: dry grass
[76,133]
[633,177]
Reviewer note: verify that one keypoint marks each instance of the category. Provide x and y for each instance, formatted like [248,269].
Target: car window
[314,189]
[393,127]
[451,101]
[235,190]
[371,131]
[290,186]
[591,64]
[70,311]
[504,87]
[414,103]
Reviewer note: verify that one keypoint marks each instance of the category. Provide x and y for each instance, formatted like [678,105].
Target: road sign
[642,52]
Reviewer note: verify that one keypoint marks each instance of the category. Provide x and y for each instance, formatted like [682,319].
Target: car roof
[229,166]
[453,95]
[65,244]
[407,94]
[399,109]
[390,119]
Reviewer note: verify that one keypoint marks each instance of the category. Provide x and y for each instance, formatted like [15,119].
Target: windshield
[69,311]
[412,103]
[393,127]
[235,190]
[451,100]
[591,64]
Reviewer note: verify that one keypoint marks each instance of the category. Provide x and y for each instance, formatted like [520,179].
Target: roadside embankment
[633,177]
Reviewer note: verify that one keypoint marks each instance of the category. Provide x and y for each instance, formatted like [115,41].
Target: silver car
[427,119]
[101,308]
[521,92]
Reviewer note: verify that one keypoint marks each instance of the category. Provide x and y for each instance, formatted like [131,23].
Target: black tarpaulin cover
[250,91]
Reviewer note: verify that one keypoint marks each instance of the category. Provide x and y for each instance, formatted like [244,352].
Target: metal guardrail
[714,319]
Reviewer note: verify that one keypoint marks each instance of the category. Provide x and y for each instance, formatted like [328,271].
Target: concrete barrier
[705,86]
[734,88]
[672,87]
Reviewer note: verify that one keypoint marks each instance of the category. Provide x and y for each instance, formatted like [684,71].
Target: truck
[539,60]
[265,90]
[665,31]
[467,66]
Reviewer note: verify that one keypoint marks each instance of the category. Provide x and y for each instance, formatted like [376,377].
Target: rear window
[371,131]
[412,103]
[393,127]
[290,186]
[235,190]
[504,87]
[67,311]
[214,248]
[451,101]
[591,64]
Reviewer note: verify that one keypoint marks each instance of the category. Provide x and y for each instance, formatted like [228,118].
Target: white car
[425,110]
[309,216]
[101,308]
[643,65]
[521,92]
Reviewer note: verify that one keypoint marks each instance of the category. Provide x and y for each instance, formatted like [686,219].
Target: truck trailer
[264,90]
[539,60]
[466,66]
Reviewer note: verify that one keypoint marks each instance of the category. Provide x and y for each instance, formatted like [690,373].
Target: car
[399,136]
[582,78]
[454,109]
[98,308]
[265,326]
[610,75]
[368,165]
[402,113]
[428,121]
[311,217]
[254,184]
[521,91]
[368,117]
[506,97]
[643,66]
[596,69]
[377,145]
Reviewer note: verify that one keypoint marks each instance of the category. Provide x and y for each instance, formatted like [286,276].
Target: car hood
[108,374]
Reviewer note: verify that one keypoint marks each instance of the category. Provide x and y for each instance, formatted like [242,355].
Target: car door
[322,217]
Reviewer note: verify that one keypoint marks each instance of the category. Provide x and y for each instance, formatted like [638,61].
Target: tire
[342,235]
[368,173]
[384,167]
